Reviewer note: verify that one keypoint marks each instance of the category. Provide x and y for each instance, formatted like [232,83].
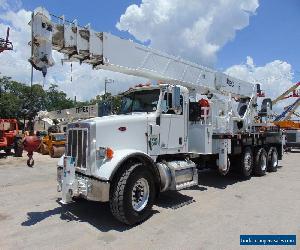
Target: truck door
[172,127]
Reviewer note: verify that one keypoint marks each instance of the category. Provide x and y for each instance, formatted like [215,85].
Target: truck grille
[78,146]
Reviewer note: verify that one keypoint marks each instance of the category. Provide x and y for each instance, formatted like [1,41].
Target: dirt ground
[210,216]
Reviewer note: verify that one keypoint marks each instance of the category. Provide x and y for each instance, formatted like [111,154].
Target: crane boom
[283,95]
[286,114]
[105,51]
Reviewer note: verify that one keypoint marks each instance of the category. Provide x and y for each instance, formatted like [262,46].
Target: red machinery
[9,137]
[31,144]
[5,44]
[204,105]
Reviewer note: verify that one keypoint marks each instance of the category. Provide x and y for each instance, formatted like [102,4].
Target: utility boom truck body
[195,118]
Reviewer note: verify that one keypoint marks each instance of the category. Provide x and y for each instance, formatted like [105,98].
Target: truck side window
[168,103]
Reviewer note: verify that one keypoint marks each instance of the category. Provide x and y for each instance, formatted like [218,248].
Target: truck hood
[123,131]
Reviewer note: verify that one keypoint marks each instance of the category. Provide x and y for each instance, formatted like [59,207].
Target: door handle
[180,140]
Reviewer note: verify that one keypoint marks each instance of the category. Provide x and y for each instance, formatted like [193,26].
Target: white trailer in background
[195,118]
[44,119]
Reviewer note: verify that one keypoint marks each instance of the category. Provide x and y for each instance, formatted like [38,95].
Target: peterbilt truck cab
[151,124]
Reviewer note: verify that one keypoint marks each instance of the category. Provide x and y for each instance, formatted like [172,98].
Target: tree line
[20,101]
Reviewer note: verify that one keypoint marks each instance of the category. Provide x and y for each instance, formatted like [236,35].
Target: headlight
[102,153]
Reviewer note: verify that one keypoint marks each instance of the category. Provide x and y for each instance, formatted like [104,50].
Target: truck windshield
[60,137]
[140,101]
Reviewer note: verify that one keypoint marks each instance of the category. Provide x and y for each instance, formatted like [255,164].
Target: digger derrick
[167,137]
[105,51]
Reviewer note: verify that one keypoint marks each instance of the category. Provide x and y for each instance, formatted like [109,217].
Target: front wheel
[56,152]
[18,147]
[224,172]
[132,194]
[44,149]
[7,151]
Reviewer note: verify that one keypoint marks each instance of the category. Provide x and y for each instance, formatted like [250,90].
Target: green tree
[113,103]
[10,101]
[57,99]
[18,100]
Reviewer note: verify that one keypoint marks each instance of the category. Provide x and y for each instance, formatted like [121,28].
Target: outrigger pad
[68,179]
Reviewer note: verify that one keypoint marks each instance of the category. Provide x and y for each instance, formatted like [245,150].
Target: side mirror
[176,98]
[266,107]
[266,104]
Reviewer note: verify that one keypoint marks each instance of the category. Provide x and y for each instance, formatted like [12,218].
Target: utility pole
[106,81]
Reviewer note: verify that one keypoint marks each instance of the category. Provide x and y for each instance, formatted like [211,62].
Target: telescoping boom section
[105,51]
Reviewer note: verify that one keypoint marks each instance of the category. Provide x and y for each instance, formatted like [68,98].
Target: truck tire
[260,166]
[18,147]
[44,149]
[132,194]
[56,152]
[225,171]
[246,163]
[7,151]
[272,159]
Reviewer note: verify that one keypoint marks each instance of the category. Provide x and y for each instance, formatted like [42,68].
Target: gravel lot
[211,216]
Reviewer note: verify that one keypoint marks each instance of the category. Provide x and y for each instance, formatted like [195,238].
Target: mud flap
[68,179]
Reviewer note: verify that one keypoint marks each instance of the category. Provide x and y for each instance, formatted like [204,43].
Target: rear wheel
[7,151]
[272,159]
[260,167]
[132,194]
[56,152]
[18,147]
[246,162]
[44,149]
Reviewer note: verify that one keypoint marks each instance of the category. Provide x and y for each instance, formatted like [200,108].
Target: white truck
[194,118]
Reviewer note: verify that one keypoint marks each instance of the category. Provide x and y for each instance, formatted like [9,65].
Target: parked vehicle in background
[285,121]
[292,139]
[41,133]
[10,137]
[53,144]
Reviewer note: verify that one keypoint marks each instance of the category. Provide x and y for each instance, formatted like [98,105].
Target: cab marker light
[109,153]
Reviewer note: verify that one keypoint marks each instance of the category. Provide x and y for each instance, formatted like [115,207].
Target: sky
[255,40]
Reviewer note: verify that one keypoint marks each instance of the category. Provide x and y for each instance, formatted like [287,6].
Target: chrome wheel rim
[263,162]
[274,159]
[247,161]
[140,194]
[225,171]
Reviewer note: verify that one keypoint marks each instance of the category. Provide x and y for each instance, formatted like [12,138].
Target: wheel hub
[263,162]
[274,159]
[247,161]
[140,194]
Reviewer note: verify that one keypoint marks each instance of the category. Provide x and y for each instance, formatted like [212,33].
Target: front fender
[60,162]
[105,169]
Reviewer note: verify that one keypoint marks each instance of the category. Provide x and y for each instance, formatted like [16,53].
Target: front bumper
[86,187]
